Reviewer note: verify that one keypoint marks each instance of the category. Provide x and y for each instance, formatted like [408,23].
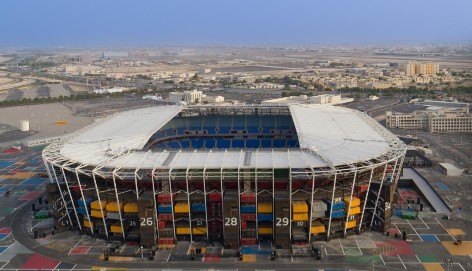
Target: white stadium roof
[328,136]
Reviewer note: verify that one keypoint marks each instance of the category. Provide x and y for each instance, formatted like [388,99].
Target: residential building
[411,68]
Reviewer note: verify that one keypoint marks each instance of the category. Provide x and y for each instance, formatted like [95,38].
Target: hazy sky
[44,23]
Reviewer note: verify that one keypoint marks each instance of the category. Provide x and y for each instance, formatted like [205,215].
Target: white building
[450,170]
[193,96]
[189,97]
[176,97]
[213,99]
[330,99]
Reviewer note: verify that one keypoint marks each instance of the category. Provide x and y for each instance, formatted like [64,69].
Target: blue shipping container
[248,209]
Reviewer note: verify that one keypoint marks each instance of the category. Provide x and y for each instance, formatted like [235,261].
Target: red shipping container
[166,241]
[214,197]
[162,224]
[248,217]
[165,217]
[164,198]
[248,198]
[248,241]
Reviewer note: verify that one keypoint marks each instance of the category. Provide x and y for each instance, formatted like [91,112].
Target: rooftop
[328,136]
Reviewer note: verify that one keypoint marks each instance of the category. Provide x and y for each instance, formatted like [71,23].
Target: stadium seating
[226,131]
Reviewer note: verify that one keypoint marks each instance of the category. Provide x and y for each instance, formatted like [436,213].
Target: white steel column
[311,203]
[118,202]
[397,174]
[378,194]
[350,201]
[100,202]
[366,198]
[332,205]
[188,196]
[154,201]
[172,202]
[83,200]
[59,187]
[71,199]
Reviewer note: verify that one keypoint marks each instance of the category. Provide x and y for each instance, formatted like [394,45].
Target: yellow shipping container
[355,202]
[353,211]
[98,213]
[199,231]
[351,224]
[116,229]
[300,207]
[182,230]
[264,207]
[131,207]
[300,217]
[113,207]
[265,230]
[318,229]
[181,207]
[88,224]
[96,204]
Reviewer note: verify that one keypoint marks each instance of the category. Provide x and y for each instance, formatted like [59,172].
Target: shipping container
[165,217]
[199,230]
[265,230]
[131,207]
[300,216]
[248,209]
[88,224]
[182,230]
[300,207]
[181,207]
[248,198]
[96,204]
[164,198]
[354,202]
[353,210]
[248,217]
[351,224]
[116,228]
[264,207]
[98,213]
[214,197]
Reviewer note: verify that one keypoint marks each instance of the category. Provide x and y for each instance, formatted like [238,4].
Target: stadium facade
[290,174]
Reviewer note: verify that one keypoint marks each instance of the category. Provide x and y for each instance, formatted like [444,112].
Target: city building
[439,120]
[412,68]
[229,174]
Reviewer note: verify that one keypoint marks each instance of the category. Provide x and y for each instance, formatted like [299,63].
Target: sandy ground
[43,117]
[22,83]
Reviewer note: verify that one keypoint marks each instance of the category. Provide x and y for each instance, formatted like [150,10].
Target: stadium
[237,175]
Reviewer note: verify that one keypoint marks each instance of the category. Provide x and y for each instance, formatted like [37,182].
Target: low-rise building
[304,99]
[439,121]
[189,97]
[450,170]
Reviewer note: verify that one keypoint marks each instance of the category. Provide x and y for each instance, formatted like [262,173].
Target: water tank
[24,126]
